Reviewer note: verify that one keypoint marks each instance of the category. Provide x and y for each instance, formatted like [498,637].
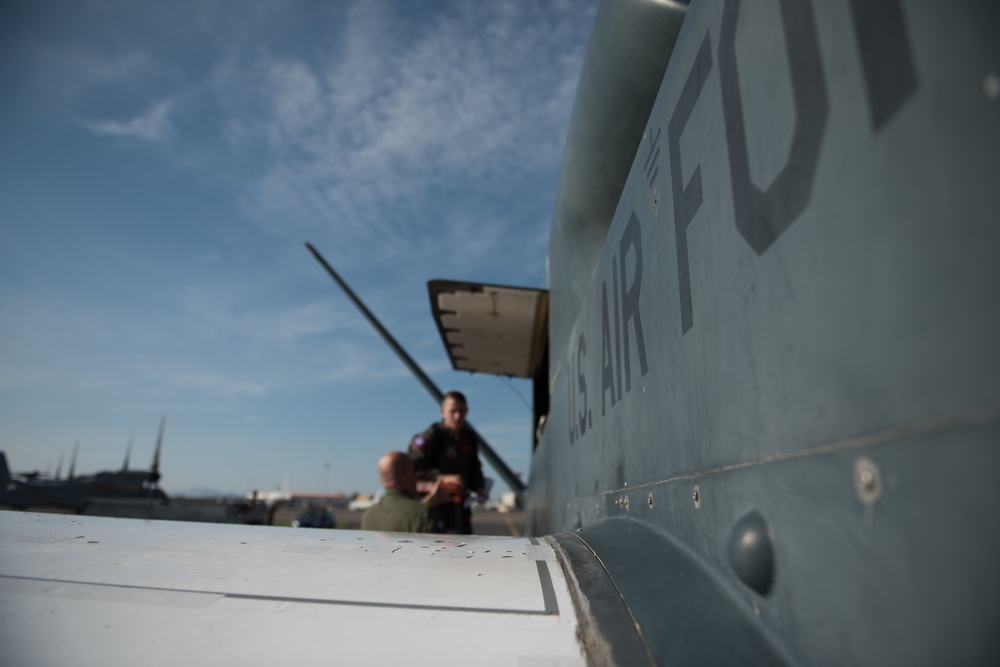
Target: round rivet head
[867,482]
[751,552]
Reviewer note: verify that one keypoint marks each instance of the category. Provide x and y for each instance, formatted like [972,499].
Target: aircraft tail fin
[4,470]
[155,474]
[72,462]
[128,451]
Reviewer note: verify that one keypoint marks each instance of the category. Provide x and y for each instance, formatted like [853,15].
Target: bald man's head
[395,471]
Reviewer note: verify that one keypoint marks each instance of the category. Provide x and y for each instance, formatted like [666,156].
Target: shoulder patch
[418,442]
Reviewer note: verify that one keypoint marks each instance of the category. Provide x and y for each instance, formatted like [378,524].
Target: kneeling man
[399,510]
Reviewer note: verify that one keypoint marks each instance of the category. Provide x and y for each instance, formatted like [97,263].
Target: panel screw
[868,485]
[866,480]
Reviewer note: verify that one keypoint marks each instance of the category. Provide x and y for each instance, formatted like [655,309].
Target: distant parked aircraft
[76,491]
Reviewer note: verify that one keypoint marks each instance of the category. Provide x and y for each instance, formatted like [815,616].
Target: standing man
[448,452]
[399,510]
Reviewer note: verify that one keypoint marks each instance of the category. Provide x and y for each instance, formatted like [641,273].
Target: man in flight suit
[448,453]
[399,510]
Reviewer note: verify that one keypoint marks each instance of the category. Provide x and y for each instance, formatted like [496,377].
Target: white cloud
[394,113]
[154,125]
[369,133]
[295,100]
[401,138]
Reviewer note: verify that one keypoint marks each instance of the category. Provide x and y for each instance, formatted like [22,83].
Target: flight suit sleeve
[423,452]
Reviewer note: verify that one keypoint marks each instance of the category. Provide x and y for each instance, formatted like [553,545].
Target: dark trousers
[456,518]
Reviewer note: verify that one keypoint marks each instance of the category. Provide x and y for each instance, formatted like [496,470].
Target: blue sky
[162,166]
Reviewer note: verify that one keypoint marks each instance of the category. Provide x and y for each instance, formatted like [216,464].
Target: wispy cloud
[408,141]
[154,125]
[384,127]
[379,131]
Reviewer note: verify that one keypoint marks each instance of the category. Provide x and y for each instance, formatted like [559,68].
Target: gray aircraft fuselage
[774,368]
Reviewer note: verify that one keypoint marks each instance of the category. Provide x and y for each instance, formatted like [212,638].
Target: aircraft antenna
[514,482]
[128,450]
[510,385]
[154,474]
[72,462]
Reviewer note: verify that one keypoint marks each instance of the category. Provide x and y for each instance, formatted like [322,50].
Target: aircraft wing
[96,590]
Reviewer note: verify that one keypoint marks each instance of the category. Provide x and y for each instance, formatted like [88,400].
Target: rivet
[867,484]
[626,502]
[866,480]
[696,496]
[650,500]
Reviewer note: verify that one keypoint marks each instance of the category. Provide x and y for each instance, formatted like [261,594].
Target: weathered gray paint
[847,310]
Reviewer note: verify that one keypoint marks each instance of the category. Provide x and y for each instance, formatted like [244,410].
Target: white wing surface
[102,591]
